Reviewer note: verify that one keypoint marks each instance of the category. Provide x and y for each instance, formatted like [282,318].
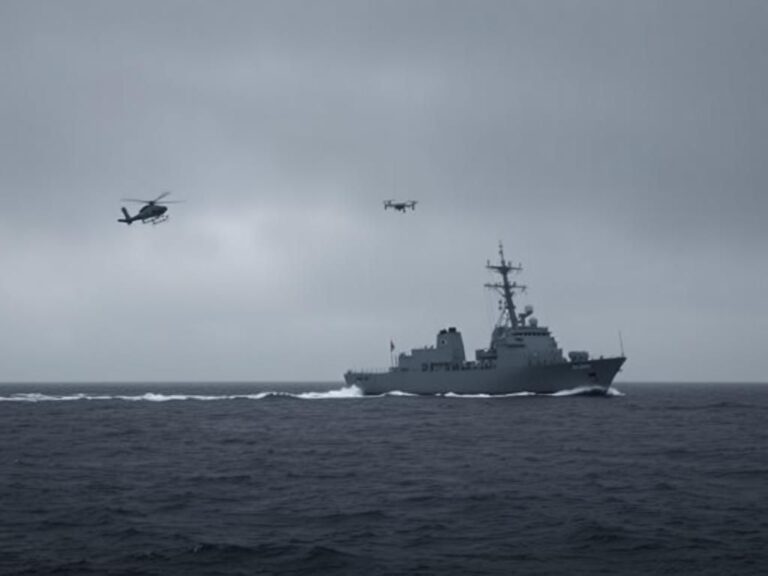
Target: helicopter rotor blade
[168,202]
[136,200]
[163,195]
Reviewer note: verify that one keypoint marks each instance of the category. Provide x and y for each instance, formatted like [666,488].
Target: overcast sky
[616,148]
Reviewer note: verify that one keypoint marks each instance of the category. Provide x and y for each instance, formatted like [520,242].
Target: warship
[522,357]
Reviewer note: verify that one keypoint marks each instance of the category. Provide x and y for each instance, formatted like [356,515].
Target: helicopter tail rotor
[127,220]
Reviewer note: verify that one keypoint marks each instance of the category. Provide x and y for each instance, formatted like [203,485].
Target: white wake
[345,392]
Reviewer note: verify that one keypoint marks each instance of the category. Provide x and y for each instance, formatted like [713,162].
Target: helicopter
[153,211]
[400,206]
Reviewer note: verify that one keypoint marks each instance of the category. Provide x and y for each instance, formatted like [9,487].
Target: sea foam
[345,392]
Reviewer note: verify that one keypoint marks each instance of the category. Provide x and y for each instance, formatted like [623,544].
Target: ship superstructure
[521,357]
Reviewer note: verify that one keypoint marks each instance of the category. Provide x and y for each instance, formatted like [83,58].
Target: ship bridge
[517,338]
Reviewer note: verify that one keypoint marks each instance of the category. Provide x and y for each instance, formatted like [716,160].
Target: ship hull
[542,379]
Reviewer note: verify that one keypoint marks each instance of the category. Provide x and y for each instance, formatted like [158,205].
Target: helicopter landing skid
[156,221]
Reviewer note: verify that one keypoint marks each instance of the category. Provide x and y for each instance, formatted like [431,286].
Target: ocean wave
[346,392]
[511,395]
[588,391]
[579,391]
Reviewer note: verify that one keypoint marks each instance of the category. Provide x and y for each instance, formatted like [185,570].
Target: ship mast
[506,288]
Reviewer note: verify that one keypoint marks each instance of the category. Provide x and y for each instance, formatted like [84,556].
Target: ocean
[304,479]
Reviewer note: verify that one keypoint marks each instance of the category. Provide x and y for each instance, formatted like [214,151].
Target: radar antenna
[506,288]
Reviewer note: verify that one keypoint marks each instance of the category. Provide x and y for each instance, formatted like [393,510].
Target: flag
[391,346]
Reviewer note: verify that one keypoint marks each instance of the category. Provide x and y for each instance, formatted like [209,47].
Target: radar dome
[529,309]
[533,322]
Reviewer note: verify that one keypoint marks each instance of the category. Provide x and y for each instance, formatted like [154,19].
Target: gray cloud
[616,148]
